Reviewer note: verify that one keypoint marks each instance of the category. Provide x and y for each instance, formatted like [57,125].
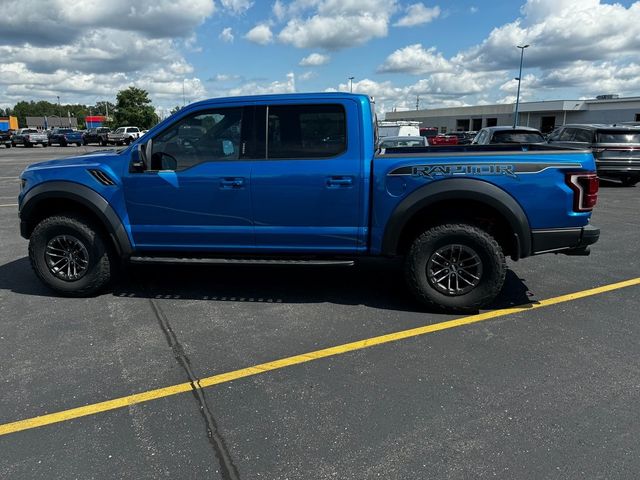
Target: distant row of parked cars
[616,148]
[28,137]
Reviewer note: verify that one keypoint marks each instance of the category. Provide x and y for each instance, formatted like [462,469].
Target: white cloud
[315,60]
[88,51]
[560,32]
[418,14]
[237,6]
[61,21]
[260,88]
[307,76]
[226,35]
[415,59]
[261,34]
[334,24]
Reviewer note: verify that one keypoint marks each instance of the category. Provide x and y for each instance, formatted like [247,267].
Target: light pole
[515,117]
[184,102]
[59,112]
[351,84]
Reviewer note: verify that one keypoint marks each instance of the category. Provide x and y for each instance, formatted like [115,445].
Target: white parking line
[9,205]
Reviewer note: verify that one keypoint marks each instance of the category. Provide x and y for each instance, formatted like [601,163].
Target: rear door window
[582,135]
[567,135]
[306,131]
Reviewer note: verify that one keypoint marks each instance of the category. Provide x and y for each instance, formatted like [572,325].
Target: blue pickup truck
[299,178]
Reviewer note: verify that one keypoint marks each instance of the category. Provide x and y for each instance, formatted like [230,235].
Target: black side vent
[102,177]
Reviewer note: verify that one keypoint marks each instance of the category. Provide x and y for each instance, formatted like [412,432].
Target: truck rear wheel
[70,255]
[456,267]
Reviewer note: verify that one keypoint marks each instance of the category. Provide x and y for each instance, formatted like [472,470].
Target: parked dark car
[65,136]
[505,134]
[5,138]
[616,148]
[96,135]
[394,142]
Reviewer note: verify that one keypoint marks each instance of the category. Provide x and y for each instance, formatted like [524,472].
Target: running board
[239,261]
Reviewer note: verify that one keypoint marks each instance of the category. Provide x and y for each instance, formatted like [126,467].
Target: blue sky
[447,53]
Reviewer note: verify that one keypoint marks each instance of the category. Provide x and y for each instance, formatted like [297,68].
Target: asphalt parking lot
[550,390]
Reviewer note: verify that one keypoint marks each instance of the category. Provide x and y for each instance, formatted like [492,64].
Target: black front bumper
[570,241]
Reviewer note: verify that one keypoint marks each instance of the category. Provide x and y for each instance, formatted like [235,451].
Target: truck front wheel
[70,255]
[456,267]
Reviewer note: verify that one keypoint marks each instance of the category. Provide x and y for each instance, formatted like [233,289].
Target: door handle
[339,182]
[231,183]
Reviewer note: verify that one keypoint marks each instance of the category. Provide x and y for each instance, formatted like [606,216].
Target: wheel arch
[455,199]
[51,198]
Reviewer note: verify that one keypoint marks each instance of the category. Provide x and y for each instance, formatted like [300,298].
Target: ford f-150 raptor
[297,178]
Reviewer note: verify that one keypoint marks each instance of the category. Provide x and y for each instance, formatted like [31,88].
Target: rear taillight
[585,190]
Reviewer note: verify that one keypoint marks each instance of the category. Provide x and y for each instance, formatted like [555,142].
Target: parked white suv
[123,135]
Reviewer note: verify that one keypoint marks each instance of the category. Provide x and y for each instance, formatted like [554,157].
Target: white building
[542,115]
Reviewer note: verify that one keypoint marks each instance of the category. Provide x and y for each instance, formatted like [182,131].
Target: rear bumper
[571,241]
[620,167]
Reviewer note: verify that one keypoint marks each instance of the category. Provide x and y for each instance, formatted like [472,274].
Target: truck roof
[284,96]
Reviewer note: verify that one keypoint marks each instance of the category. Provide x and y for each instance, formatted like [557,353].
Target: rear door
[307,191]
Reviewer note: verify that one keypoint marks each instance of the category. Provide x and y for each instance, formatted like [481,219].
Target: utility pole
[184,102]
[515,117]
[59,112]
[417,102]
[351,84]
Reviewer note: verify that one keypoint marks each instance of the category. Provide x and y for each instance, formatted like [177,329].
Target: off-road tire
[100,254]
[479,241]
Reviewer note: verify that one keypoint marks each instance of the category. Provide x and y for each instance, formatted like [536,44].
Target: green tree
[175,109]
[133,107]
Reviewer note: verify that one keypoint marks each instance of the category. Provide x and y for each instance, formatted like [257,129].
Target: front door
[195,194]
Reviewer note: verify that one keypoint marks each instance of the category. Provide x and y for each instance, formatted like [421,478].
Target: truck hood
[91,159]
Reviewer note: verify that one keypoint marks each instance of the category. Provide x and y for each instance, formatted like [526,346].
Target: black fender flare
[84,196]
[459,189]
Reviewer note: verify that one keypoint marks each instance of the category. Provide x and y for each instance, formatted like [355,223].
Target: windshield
[65,130]
[120,130]
[517,137]
[618,137]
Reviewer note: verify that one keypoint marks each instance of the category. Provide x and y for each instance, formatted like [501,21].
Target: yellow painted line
[95,408]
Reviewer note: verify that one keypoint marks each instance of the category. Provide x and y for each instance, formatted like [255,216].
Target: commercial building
[45,123]
[94,121]
[8,123]
[545,115]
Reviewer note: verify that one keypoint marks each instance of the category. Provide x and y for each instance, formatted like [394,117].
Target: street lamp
[351,84]
[59,112]
[515,117]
